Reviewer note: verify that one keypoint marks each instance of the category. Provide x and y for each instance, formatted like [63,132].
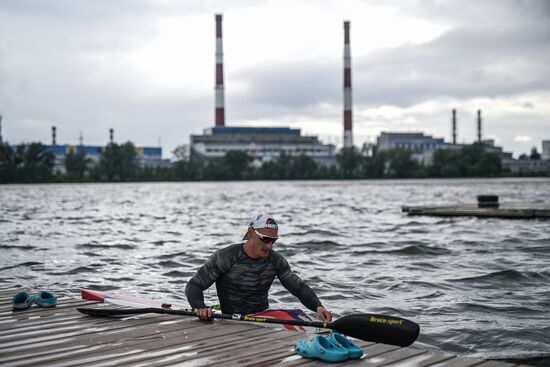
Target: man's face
[261,248]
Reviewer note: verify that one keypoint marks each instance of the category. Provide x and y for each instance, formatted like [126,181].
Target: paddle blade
[378,328]
[115,312]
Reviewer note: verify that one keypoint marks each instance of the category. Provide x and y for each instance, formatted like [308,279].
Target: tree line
[118,163]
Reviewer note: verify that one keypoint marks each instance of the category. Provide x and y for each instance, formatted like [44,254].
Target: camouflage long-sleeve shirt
[243,283]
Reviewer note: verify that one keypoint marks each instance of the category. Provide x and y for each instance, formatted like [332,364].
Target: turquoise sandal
[354,351]
[21,301]
[320,348]
[45,299]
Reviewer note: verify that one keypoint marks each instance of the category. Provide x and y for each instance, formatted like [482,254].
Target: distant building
[490,147]
[545,150]
[261,143]
[145,156]
[421,146]
[526,166]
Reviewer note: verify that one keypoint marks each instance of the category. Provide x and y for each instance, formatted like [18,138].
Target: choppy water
[476,286]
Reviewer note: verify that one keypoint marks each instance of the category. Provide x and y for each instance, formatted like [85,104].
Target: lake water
[477,287]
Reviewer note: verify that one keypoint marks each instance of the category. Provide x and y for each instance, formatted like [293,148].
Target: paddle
[368,327]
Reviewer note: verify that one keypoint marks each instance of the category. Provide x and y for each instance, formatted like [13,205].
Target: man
[243,274]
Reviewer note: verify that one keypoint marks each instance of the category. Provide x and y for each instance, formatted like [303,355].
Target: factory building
[422,146]
[261,143]
[145,156]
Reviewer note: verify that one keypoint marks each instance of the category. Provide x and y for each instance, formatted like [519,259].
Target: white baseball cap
[260,221]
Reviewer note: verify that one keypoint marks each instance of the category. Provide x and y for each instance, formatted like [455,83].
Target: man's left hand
[324,314]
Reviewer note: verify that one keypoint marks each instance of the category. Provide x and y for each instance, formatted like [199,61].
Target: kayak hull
[122,299]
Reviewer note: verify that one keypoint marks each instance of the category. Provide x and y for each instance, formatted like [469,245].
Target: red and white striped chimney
[348,136]
[220,106]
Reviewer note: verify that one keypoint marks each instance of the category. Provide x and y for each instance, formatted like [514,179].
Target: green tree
[129,165]
[237,165]
[215,170]
[470,161]
[303,167]
[350,161]
[76,165]
[270,170]
[8,164]
[401,164]
[117,163]
[37,163]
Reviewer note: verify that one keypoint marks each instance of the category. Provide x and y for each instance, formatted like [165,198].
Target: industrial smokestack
[53,135]
[348,137]
[479,126]
[1,141]
[111,133]
[220,105]
[454,126]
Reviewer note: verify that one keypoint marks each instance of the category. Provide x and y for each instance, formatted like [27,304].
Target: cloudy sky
[146,68]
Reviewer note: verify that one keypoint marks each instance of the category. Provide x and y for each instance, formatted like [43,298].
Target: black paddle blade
[378,328]
[115,312]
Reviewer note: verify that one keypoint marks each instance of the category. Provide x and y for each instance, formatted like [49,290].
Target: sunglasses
[266,239]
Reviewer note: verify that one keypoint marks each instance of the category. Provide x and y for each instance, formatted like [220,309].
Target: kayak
[122,299]
[368,327]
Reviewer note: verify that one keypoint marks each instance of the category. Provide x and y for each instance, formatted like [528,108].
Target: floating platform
[62,336]
[505,211]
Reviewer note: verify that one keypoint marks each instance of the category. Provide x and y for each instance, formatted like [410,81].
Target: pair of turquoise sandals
[23,300]
[333,348]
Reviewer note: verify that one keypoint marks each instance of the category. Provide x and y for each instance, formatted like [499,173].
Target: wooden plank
[229,357]
[191,344]
[9,292]
[504,211]
[493,363]
[460,362]
[115,340]
[265,352]
[423,360]
[90,332]
[229,347]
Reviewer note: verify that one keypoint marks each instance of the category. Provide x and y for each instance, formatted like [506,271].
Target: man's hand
[204,313]
[324,314]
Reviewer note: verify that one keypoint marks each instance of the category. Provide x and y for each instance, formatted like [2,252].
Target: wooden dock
[61,336]
[505,212]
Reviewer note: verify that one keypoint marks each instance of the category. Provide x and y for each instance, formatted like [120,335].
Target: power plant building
[261,143]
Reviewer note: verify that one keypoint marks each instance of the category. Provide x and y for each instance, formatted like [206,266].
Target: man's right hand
[204,313]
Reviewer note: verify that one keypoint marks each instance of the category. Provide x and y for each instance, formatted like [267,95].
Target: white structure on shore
[261,143]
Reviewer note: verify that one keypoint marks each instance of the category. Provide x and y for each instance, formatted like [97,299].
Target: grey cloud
[473,12]
[287,87]
[462,63]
